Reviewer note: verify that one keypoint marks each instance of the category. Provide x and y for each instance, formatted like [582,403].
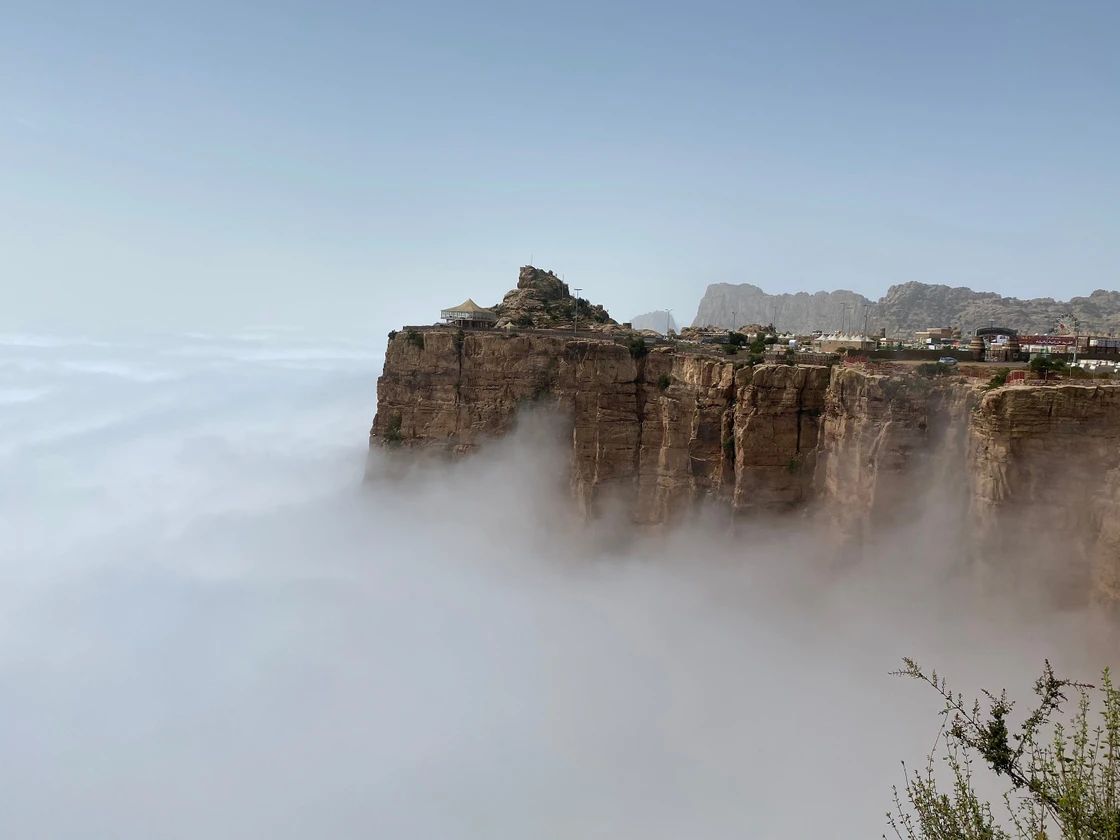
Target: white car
[946,360]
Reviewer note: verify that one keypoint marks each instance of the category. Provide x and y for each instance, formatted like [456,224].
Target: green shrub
[729,447]
[637,347]
[1063,776]
[663,382]
[730,349]
[737,339]
[393,435]
[931,369]
[415,338]
[1046,364]
[392,334]
[999,378]
[794,464]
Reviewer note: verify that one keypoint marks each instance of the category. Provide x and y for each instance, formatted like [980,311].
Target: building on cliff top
[469,315]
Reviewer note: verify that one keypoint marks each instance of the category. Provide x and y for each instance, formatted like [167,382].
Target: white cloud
[209,627]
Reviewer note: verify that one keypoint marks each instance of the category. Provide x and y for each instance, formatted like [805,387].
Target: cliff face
[1046,479]
[1024,469]
[731,306]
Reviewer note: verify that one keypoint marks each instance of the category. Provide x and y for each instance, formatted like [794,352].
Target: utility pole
[668,320]
[575,318]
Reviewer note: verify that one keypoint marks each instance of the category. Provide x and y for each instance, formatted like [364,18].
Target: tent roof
[468,306]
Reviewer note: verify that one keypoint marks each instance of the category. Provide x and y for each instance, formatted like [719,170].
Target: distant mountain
[725,305]
[912,306]
[654,321]
[903,309]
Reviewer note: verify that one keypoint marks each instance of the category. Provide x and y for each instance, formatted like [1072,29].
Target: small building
[469,315]
[936,335]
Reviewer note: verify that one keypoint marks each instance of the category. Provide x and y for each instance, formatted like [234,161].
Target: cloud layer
[211,627]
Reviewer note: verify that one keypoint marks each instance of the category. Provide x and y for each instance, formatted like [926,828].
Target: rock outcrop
[543,300]
[1027,469]
[730,306]
[903,309]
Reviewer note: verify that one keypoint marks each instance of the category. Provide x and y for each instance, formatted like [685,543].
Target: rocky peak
[543,300]
[543,284]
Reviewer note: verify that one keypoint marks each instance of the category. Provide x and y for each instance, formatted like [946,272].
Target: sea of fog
[211,627]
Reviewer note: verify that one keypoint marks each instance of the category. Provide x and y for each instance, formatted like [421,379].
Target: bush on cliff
[1062,772]
[393,435]
[931,369]
[415,338]
[737,339]
[1047,364]
[999,378]
[663,382]
[637,347]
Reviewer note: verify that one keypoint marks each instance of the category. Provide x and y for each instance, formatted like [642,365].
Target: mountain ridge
[905,307]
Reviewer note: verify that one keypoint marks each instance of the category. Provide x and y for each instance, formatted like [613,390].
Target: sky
[352,166]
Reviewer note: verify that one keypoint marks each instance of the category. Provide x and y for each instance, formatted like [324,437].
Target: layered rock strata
[661,431]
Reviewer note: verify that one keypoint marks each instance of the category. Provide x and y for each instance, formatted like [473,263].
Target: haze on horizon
[354,166]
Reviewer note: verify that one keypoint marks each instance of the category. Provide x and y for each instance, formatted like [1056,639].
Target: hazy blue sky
[216,164]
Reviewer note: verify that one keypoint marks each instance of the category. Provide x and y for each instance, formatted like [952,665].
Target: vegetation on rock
[637,347]
[999,378]
[393,434]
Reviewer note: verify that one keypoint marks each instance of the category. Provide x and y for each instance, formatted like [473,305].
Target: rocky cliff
[730,306]
[903,309]
[658,432]
[1045,480]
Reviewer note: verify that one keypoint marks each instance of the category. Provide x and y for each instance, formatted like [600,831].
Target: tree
[1059,773]
[1044,364]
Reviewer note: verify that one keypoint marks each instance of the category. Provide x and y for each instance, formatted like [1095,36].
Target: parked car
[947,360]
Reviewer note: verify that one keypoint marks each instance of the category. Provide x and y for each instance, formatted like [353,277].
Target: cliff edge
[663,430]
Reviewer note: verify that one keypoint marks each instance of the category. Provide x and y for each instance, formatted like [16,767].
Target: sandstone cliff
[1030,471]
[1045,480]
